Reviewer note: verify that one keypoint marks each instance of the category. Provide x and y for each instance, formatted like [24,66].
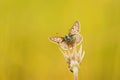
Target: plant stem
[75,71]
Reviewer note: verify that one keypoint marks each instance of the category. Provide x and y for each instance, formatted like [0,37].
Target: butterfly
[71,39]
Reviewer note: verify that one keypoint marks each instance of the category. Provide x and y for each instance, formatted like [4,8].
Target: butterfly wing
[74,33]
[64,45]
[60,41]
[75,29]
[56,39]
[78,38]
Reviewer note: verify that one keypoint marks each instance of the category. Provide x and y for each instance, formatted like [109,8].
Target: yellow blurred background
[27,54]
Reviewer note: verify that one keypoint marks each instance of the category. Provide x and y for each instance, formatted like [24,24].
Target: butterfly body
[69,40]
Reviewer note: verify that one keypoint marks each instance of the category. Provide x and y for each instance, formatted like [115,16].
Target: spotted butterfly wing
[74,32]
[75,29]
[60,41]
[56,39]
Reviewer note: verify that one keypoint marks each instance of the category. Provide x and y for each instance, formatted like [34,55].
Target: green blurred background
[27,54]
